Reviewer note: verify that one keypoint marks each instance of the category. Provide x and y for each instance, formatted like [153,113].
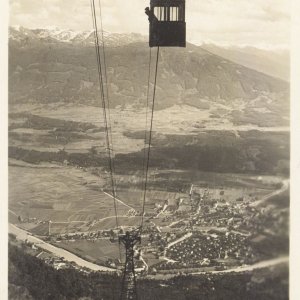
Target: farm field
[70,190]
[134,197]
[110,222]
[98,251]
[175,119]
[60,187]
[37,130]
[58,193]
[178,183]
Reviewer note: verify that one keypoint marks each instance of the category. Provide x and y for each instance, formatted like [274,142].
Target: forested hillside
[30,278]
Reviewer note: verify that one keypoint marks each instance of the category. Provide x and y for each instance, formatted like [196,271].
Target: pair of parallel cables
[102,77]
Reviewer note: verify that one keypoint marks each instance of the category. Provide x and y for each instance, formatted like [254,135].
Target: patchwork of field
[64,197]
[110,222]
[134,197]
[172,185]
[73,199]
[125,123]
[234,194]
[36,129]
[58,193]
[98,251]
[177,119]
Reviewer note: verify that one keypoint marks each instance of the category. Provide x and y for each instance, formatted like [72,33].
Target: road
[84,210]
[119,201]
[144,262]
[68,256]
[259,265]
[174,223]
[169,260]
[68,222]
[13,212]
[186,236]
[285,186]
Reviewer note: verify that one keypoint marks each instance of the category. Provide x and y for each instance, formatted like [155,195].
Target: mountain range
[19,34]
[52,65]
[274,62]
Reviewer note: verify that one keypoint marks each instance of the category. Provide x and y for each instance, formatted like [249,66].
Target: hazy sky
[234,22]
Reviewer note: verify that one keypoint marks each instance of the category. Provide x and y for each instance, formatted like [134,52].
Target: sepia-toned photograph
[149,149]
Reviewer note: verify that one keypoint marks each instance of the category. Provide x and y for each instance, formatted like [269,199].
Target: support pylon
[128,289]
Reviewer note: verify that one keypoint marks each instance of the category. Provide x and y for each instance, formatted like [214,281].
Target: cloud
[275,15]
[220,21]
[254,22]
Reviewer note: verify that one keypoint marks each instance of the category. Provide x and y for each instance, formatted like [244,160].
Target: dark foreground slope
[30,278]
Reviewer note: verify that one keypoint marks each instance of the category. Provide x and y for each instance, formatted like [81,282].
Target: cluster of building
[207,249]
[222,233]
[91,236]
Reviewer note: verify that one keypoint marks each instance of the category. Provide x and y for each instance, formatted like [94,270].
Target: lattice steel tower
[128,289]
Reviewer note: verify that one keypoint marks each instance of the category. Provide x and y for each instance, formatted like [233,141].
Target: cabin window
[173,13]
[159,12]
[168,13]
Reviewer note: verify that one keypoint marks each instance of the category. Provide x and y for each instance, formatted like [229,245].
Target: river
[68,256]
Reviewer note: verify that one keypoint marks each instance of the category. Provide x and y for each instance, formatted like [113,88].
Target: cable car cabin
[167,23]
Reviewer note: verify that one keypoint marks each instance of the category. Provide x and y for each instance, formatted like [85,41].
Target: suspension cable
[146,122]
[100,78]
[109,115]
[106,85]
[149,143]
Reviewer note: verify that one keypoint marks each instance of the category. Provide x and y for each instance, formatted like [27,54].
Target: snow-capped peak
[18,33]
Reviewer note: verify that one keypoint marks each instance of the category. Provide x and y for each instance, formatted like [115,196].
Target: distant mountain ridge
[24,35]
[274,62]
[59,66]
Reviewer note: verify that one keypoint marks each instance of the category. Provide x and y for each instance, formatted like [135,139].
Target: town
[206,230]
